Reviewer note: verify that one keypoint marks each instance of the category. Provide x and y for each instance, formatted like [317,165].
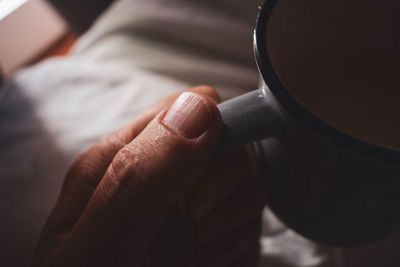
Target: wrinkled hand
[117,194]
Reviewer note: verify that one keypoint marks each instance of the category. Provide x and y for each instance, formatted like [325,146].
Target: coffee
[341,61]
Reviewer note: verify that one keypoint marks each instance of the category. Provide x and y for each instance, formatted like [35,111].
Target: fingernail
[189,115]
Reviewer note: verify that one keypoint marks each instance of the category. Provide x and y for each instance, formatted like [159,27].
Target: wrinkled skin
[117,194]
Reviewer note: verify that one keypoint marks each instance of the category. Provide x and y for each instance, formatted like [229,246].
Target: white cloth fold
[137,53]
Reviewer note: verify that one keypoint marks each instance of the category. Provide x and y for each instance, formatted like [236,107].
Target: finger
[231,247]
[86,172]
[147,177]
[226,175]
[91,165]
[80,183]
[239,208]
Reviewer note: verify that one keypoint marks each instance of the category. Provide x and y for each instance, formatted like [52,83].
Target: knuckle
[132,160]
[125,166]
[82,167]
[126,175]
[123,160]
[83,173]
[118,139]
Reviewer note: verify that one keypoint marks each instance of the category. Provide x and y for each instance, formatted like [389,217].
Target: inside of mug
[341,60]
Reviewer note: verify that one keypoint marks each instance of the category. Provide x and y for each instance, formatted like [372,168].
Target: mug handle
[248,118]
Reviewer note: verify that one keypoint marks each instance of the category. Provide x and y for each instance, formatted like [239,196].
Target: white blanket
[137,53]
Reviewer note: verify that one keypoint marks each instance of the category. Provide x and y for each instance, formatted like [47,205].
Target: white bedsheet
[137,53]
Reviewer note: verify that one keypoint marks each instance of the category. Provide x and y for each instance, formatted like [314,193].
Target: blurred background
[32,30]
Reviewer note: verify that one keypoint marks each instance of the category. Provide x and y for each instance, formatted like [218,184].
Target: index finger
[87,171]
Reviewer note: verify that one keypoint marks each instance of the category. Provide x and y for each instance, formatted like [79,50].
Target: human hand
[117,194]
[224,210]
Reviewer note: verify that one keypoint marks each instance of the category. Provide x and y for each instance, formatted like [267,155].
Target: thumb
[147,177]
[166,159]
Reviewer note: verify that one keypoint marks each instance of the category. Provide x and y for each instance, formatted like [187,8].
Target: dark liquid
[341,60]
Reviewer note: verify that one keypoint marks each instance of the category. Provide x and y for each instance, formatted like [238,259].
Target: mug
[320,181]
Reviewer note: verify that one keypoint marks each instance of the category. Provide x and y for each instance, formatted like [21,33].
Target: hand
[224,210]
[117,194]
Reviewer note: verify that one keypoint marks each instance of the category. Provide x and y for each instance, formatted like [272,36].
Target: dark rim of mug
[298,110]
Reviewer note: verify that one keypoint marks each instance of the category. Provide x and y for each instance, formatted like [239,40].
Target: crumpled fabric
[135,54]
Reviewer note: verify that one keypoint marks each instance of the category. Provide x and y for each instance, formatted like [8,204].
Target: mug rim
[295,108]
